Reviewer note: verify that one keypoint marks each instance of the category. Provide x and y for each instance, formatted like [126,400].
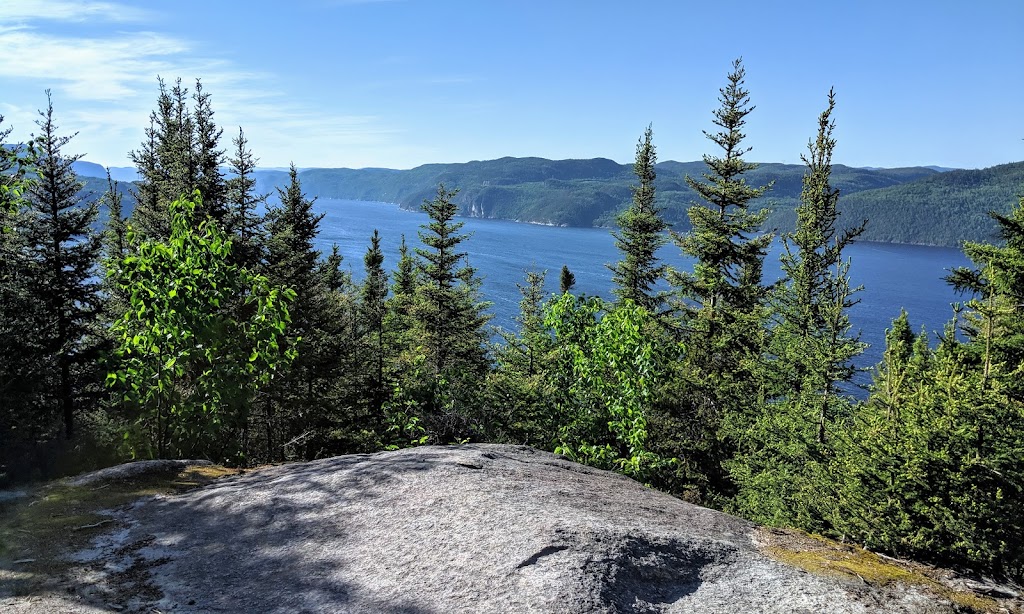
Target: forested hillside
[943,209]
[916,205]
[561,192]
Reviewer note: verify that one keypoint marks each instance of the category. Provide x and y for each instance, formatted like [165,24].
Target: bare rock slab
[475,528]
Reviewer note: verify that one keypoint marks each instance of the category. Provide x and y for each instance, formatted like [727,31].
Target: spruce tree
[640,235]
[208,157]
[522,384]
[994,322]
[372,311]
[178,156]
[298,411]
[448,308]
[786,450]
[22,365]
[566,280]
[241,217]
[449,319]
[722,302]
[64,252]
[726,281]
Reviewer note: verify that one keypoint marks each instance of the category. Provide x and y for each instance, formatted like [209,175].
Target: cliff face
[478,528]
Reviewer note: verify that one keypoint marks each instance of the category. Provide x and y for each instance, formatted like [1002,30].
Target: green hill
[944,209]
[562,192]
[903,205]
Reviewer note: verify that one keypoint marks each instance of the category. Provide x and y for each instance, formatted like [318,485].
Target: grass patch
[825,557]
[39,531]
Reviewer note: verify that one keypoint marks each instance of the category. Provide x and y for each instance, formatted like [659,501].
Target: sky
[399,83]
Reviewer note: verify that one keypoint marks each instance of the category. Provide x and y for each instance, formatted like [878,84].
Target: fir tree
[23,367]
[726,281]
[64,254]
[786,452]
[995,320]
[241,217]
[448,309]
[178,156]
[299,397]
[641,234]
[722,302]
[208,158]
[566,280]
[372,310]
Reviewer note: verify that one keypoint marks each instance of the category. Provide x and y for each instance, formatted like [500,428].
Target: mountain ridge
[915,205]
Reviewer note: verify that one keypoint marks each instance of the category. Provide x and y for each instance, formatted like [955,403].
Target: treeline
[198,327]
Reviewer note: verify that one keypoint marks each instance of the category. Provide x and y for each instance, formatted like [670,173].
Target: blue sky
[398,83]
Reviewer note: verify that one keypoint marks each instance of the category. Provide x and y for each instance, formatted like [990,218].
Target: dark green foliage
[448,308]
[241,218]
[640,235]
[722,303]
[178,156]
[437,397]
[187,369]
[522,383]
[784,455]
[23,421]
[301,409]
[63,254]
[372,312]
[995,321]
[566,280]
[941,209]
[578,192]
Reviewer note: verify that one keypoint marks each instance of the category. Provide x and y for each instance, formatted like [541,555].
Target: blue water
[893,276]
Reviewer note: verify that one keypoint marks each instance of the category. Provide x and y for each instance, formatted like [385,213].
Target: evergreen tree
[446,357]
[298,411]
[722,307]
[372,311]
[64,253]
[931,467]
[522,383]
[241,217]
[448,309]
[995,320]
[566,280]
[178,156]
[22,359]
[786,451]
[208,158]
[726,281]
[641,234]
[331,272]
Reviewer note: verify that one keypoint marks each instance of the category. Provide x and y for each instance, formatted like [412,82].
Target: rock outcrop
[477,528]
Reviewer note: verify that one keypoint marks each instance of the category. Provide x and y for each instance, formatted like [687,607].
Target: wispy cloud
[69,10]
[104,85]
[88,68]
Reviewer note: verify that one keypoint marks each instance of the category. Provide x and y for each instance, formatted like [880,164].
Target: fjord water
[893,276]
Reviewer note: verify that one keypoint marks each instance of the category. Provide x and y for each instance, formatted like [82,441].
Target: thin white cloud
[21,11]
[88,68]
[105,88]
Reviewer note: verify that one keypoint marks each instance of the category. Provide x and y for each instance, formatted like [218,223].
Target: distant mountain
[559,192]
[925,205]
[89,169]
[85,168]
[944,209]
